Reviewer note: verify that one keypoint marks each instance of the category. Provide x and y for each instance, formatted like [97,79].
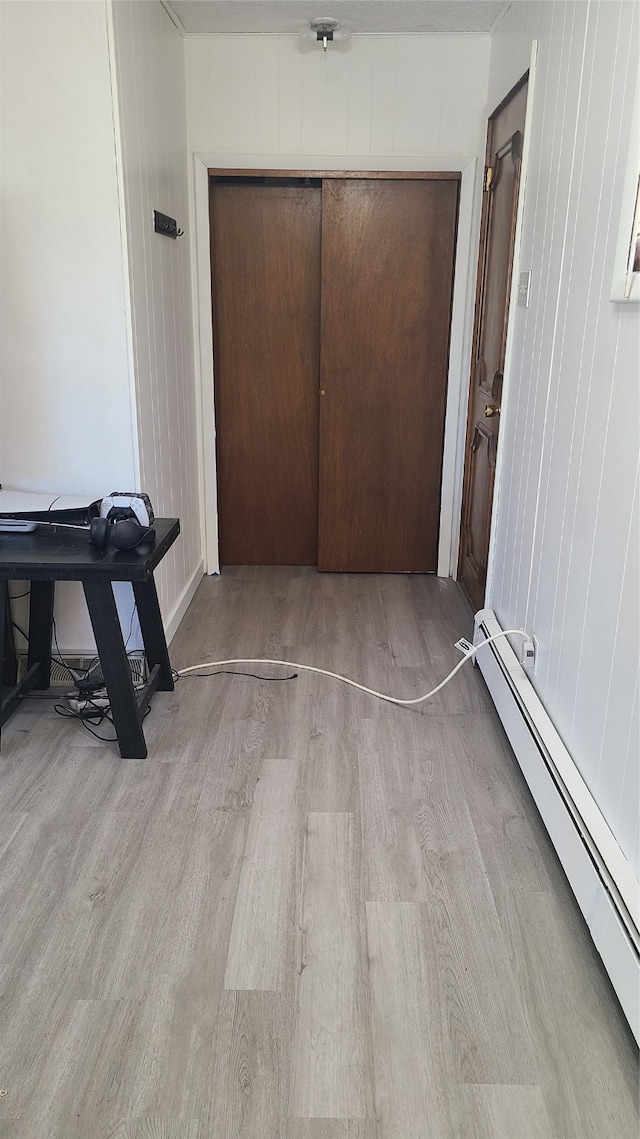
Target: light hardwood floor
[308,913]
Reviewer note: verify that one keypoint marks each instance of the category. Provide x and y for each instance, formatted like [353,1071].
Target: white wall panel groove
[149,63]
[387,95]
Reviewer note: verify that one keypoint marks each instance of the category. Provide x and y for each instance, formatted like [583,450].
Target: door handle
[491,410]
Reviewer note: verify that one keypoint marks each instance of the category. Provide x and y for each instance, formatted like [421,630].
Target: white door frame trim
[510,363]
[461,323]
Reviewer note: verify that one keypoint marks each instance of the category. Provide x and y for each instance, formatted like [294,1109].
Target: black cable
[90,712]
[228,672]
[57,660]
[103,739]
[73,673]
[18,596]
[78,675]
[104,716]
[55,635]
[100,714]
[134,613]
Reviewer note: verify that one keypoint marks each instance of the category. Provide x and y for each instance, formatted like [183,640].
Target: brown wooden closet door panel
[265,255]
[387,275]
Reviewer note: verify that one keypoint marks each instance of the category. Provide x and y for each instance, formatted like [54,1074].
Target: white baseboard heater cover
[600,876]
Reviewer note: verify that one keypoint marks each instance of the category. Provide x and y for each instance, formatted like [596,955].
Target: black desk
[51,554]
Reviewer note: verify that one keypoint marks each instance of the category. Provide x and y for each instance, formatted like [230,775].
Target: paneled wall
[393,95]
[151,101]
[566,541]
[65,383]
[97,389]
[63,326]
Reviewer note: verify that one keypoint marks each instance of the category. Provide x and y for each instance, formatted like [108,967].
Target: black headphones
[125,533]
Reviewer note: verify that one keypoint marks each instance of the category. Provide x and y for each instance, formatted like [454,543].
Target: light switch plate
[524,289]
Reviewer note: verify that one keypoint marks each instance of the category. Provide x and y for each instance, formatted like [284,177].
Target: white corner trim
[124,240]
[462,315]
[175,19]
[513,313]
[461,322]
[203,360]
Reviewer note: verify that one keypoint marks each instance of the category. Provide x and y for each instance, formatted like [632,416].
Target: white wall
[97,390]
[565,540]
[65,386]
[65,377]
[390,95]
[149,67]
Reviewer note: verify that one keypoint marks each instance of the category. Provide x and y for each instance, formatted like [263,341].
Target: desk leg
[4,606]
[9,660]
[155,644]
[115,668]
[4,629]
[40,626]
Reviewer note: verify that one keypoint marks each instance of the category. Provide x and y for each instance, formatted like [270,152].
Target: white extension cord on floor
[353,683]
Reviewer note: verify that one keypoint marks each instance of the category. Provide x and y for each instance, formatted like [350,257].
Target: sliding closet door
[265,252]
[387,276]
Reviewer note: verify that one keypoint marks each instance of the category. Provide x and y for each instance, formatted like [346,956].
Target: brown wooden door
[387,274]
[265,255]
[504,151]
[384,284]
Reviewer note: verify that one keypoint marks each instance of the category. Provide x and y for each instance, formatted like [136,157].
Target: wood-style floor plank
[154,1128]
[332,1129]
[505,819]
[262,935]
[392,859]
[331,764]
[483,1019]
[572,1016]
[250,1073]
[482,1111]
[260,943]
[331,1074]
[307,914]
[412,1078]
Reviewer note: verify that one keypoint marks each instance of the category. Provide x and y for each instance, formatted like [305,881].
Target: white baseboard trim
[183,603]
[599,875]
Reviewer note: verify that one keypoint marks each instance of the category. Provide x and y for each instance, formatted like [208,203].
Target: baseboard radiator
[83,664]
[600,876]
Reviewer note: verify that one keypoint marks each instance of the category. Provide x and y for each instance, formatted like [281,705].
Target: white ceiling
[444,17]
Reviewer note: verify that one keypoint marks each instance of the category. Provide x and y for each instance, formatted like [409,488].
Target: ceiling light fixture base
[324,27]
[324,30]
